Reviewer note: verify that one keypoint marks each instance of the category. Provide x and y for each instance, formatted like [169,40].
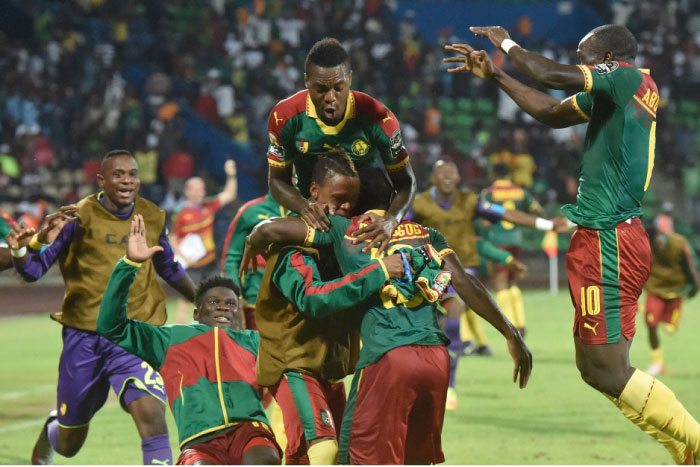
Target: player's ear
[306,80]
[349,78]
[195,316]
[100,181]
[313,190]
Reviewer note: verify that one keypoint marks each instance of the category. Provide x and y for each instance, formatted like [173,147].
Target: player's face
[195,191]
[329,89]
[119,179]
[587,53]
[340,192]
[445,178]
[219,307]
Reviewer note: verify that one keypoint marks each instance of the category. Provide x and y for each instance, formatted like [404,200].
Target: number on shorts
[590,300]
[148,379]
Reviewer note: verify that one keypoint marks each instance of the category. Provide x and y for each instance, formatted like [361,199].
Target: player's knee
[149,415]
[261,455]
[70,440]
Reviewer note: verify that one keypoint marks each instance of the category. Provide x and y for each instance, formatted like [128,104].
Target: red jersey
[198,220]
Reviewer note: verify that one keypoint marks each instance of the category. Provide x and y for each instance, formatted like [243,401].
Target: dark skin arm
[5,258]
[478,299]
[21,234]
[380,230]
[185,286]
[284,192]
[541,106]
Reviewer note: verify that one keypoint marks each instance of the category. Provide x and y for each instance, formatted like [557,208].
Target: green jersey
[620,101]
[368,131]
[249,215]
[386,325]
[5,225]
[513,197]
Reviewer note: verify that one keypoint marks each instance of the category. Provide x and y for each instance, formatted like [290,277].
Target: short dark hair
[215,281]
[500,170]
[376,191]
[334,162]
[114,153]
[327,53]
[617,39]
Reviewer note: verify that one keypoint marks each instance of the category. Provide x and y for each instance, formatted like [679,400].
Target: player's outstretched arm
[537,67]
[541,106]
[478,299]
[230,191]
[279,230]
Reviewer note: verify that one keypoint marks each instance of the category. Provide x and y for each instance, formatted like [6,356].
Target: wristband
[507,44]
[18,253]
[35,244]
[543,224]
[406,269]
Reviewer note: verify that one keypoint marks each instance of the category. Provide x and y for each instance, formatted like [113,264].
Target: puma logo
[386,119]
[161,462]
[592,328]
[277,120]
[263,216]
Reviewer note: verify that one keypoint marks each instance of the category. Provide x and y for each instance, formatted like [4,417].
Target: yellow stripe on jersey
[310,234]
[399,166]
[274,163]
[645,106]
[445,252]
[578,109]
[588,78]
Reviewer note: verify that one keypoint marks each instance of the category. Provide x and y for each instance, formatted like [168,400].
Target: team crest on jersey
[302,145]
[359,147]
[396,143]
[326,418]
[603,68]
[276,150]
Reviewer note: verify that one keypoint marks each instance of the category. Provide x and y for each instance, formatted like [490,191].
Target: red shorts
[396,408]
[513,250]
[607,270]
[662,310]
[311,408]
[228,447]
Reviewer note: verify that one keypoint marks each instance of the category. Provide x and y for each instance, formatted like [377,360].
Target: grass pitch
[557,419]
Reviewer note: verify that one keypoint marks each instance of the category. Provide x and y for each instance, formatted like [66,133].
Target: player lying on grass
[303,358]
[609,258]
[402,345]
[208,369]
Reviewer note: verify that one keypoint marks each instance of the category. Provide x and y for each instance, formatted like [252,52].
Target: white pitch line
[26,392]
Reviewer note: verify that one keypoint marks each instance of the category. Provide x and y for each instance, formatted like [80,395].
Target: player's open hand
[19,236]
[54,223]
[378,230]
[250,257]
[137,249]
[496,34]
[316,215]
[477,62]
[521,357]
[230,168]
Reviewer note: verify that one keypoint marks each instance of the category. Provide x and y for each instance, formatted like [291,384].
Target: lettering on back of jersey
[603,68]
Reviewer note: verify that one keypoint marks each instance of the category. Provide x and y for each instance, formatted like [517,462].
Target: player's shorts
[662,310]
[228,447]
[497,267]
[607,270]
[311,409]
[89,365]
[396,408]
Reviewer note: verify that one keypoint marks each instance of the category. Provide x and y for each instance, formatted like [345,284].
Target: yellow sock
[465,332]
[658,406]
[657,356]
[323,453]
[475,325]
[505,303]
[516,300]
[277,425]
[677,449]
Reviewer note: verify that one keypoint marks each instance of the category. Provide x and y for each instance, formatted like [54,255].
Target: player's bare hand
[517,267]
[562,225]
[19,236]
[477,62]
[230,168]
[316,215]
[496,34]
[250,257]
[137,249]
[54,223]
[378,230]
[522,358]
[394,266]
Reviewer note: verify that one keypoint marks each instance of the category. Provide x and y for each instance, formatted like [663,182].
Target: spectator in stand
[193,231]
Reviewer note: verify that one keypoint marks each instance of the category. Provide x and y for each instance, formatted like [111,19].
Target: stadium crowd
[84,76]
